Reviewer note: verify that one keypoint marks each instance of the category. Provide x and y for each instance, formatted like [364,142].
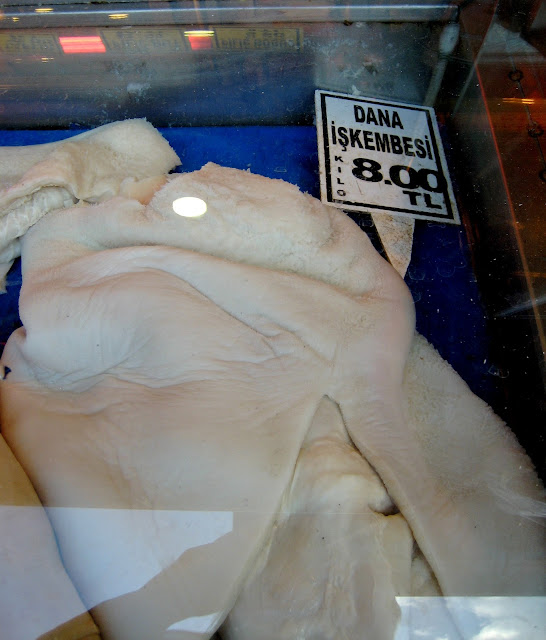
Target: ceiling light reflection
[189,207]
[519,100]
[200,33]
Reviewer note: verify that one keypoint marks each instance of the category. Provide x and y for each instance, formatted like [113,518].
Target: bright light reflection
[519,100]
[200,33]
[118,16]
[82,44]
[133,546]
[189,207]
[473,618]
[196,624]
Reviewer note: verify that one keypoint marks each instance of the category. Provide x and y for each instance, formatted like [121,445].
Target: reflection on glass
[203,33]
[82,44]
[133,546]
[519,100]
[473,618]
[199,38]
[189,207]
[196,624]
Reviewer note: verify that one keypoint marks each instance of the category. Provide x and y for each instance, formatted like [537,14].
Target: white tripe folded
[234,427]
[88,167]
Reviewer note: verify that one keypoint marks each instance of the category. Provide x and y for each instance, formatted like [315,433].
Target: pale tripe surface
[88,167]
[176,365]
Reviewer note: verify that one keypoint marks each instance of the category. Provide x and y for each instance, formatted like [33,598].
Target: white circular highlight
[189,207]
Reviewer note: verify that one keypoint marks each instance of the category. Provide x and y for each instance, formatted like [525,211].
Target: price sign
[380,156]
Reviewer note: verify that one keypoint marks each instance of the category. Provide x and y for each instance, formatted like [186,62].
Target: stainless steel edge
[103,14]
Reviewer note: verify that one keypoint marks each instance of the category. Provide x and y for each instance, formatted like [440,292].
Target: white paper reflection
[197,624]
[486,618]
[126,548]
[36,595]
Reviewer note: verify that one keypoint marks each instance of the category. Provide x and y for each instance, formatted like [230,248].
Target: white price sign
[382,156]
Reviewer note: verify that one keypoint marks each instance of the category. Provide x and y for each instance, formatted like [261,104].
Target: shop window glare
[199,33]
[519,100]
[189,207]
[200,38]
[82,44]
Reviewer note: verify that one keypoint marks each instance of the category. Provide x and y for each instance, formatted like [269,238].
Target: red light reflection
[200,42]
[82,44]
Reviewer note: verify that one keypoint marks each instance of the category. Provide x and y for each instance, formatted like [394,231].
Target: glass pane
[273,320]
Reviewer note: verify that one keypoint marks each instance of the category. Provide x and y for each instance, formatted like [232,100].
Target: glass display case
[282,416]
